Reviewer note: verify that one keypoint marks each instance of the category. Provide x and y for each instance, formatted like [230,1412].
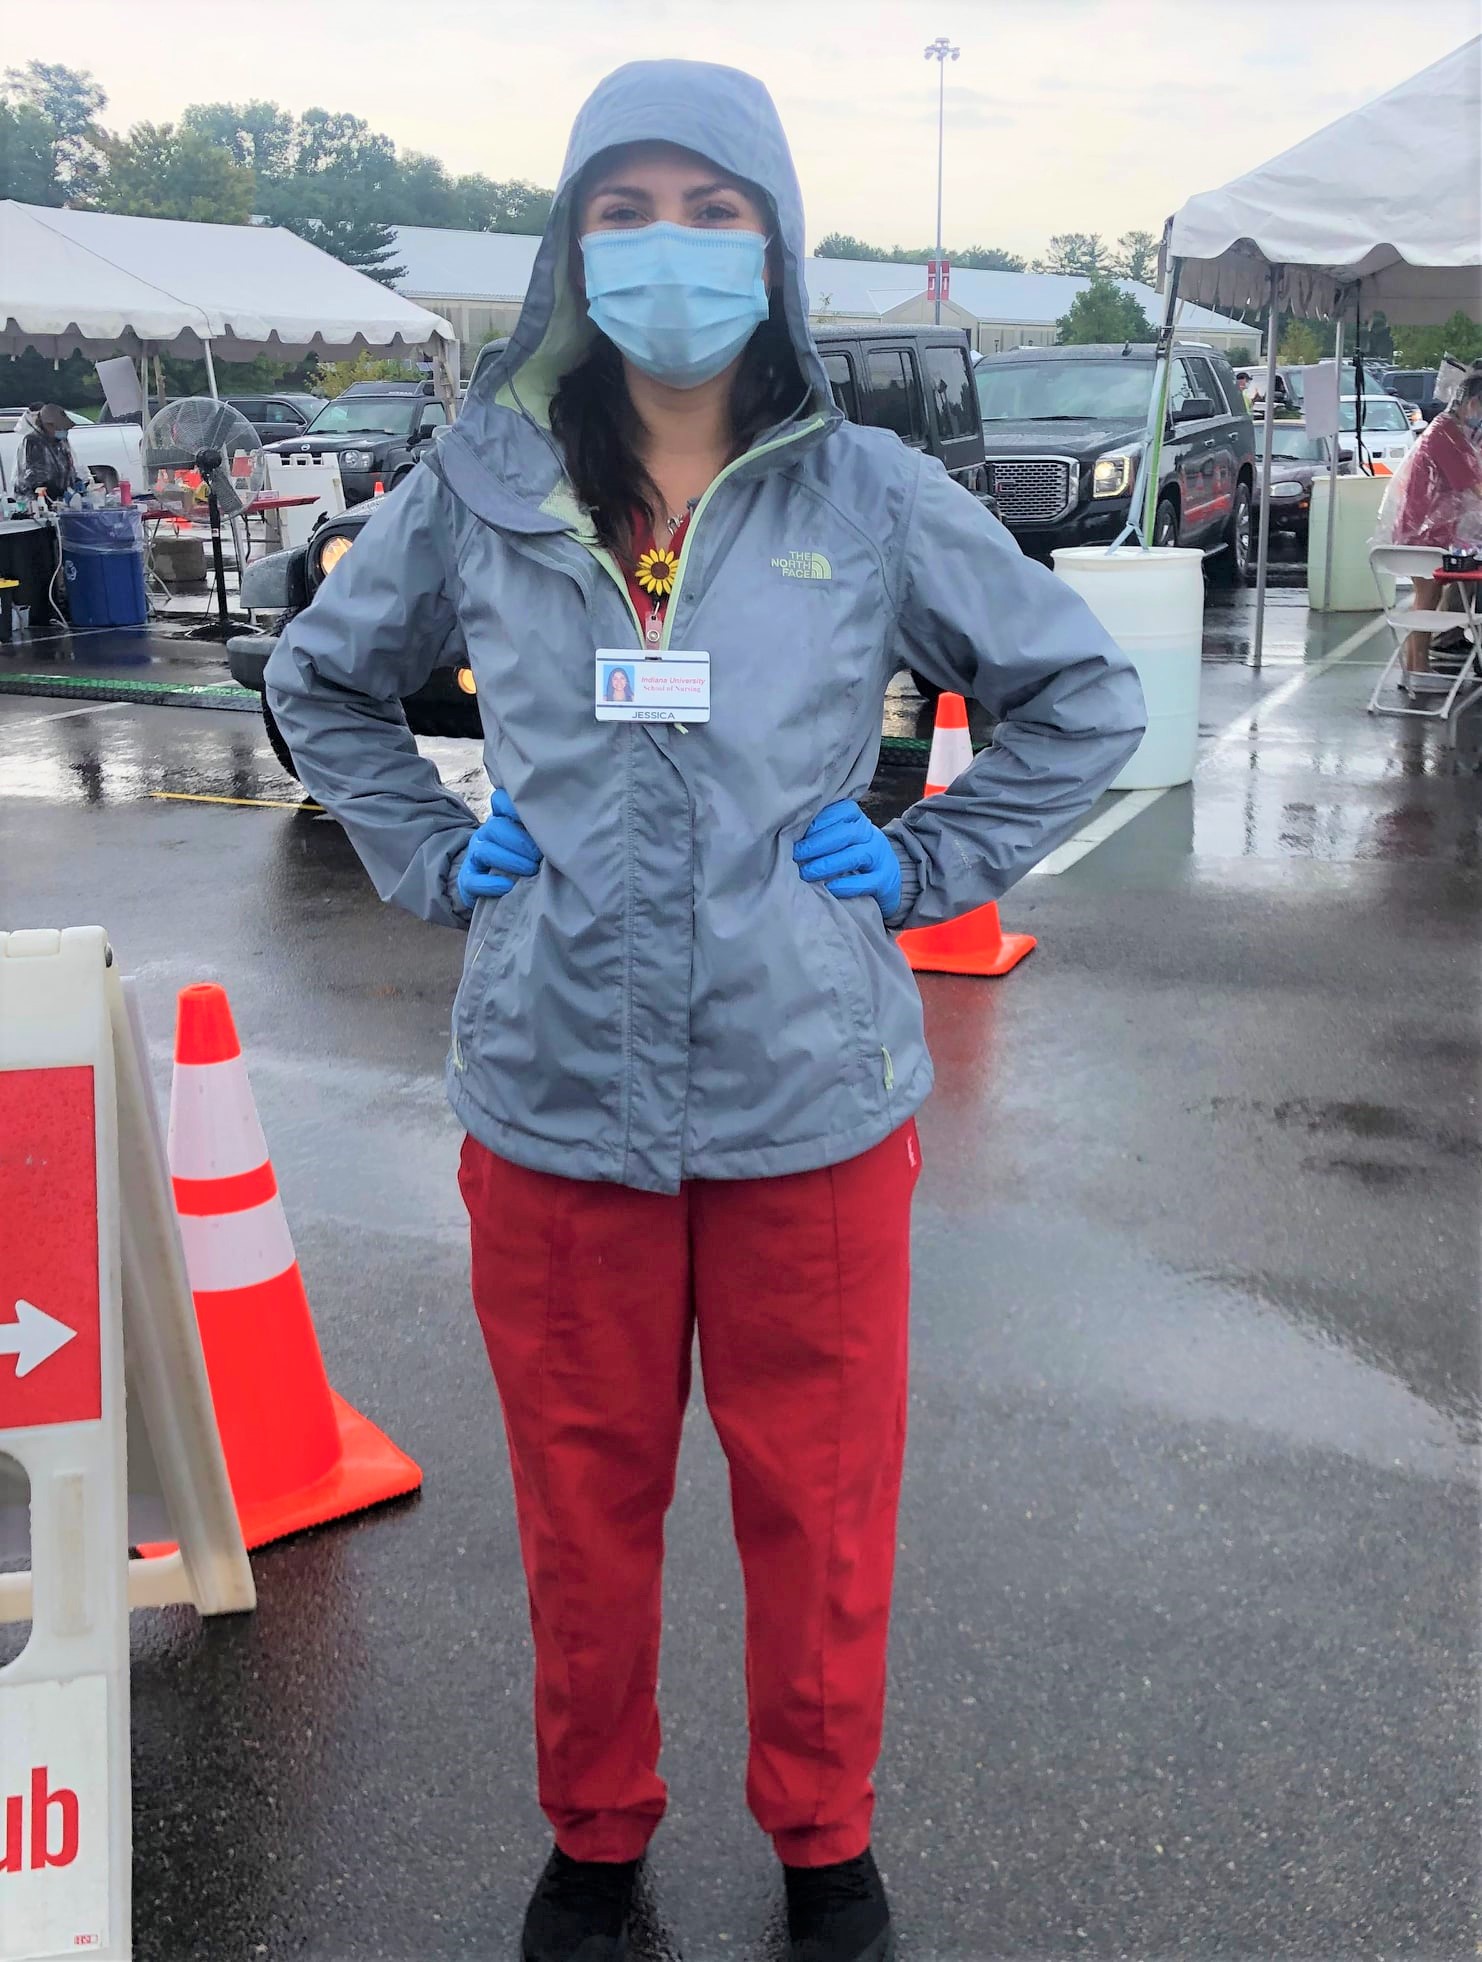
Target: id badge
[670,687]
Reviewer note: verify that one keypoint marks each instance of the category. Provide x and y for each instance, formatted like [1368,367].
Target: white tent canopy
[96,283]
[1388,199]
[1379,212]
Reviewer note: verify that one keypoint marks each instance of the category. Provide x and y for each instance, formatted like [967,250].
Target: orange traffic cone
[951,745]
[297,1454]
[974,943]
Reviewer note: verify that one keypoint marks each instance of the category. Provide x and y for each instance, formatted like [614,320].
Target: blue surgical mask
[679,301]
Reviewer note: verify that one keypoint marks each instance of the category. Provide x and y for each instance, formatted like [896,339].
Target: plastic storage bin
[1356,589]
[103,564]
[1152,605]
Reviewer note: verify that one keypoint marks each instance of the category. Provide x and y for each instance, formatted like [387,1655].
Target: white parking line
[61,715]
[1132,803]
[1249,719]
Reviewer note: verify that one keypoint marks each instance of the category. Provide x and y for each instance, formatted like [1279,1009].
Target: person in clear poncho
[46,462]
[1435,498]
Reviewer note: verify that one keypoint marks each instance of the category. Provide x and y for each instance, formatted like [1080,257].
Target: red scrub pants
[589,1296]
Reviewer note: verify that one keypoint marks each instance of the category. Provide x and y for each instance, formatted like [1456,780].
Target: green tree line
[1134,256]
[328,177]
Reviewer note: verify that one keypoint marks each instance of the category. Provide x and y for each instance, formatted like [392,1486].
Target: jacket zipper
[777,443]
[610,565]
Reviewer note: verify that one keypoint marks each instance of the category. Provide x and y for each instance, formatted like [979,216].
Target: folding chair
[1420,562]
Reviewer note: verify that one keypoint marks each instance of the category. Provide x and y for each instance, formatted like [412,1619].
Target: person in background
[1435,499]
[46,462]
[687,1051]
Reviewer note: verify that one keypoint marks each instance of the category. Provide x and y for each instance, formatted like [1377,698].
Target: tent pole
[1152,444]
[1262,555]
[144,389]
[211,372]
[1327,550]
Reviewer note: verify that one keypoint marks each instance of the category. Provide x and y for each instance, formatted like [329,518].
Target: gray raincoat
[666,999]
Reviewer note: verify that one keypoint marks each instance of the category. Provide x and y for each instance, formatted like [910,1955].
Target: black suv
[1063,430]
[378,430]
[914,380]
[276,417]
[1417,385]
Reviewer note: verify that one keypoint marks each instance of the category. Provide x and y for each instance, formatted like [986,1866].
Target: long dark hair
[593,419]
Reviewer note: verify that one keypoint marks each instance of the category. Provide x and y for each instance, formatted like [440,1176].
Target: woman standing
[685,1050]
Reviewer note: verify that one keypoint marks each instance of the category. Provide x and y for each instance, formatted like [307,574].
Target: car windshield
[1047,391]
[367,415]
[1380,412]
[1296,446]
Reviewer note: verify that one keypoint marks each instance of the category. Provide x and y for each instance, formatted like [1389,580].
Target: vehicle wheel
[276,743]
[927,690]
[1232,566]
[401,475]
[1165,523]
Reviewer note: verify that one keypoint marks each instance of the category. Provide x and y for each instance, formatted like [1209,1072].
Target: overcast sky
[1062,115]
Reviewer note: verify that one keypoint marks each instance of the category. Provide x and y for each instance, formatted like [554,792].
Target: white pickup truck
[110,452]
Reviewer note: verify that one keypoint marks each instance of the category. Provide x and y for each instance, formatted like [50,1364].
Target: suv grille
[1036,487]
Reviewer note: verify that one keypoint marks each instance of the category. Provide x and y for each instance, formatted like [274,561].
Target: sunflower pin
[655,572]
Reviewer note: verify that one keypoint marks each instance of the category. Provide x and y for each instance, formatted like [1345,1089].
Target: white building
[477,280]
[999,309]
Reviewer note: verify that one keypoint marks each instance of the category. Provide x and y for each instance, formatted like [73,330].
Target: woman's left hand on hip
[842,850]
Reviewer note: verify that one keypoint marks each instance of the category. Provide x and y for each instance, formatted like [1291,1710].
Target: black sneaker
[579,1911]
[838,1913]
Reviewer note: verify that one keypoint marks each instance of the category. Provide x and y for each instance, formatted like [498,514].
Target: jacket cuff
[462,915]
[910,885]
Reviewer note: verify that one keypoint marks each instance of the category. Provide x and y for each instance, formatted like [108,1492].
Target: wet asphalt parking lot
[1184,1654]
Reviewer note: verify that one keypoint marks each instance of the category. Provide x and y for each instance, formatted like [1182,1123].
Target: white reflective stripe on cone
[214,1132]
[943,771]
[236,1250]
[951,753]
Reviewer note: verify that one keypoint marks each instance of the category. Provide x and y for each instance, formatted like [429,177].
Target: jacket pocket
[848,981]
[491,945]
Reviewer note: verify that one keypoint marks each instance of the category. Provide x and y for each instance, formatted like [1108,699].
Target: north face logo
[803,565]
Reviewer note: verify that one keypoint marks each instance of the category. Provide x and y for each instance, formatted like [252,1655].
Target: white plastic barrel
[1355,587]
[1152,605]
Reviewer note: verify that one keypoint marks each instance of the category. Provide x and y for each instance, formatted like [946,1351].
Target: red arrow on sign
[32,1337]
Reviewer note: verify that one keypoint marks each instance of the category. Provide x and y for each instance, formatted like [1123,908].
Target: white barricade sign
[89,1253]
[294,474]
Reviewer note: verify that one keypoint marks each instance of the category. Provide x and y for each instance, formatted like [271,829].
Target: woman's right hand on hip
[499,852]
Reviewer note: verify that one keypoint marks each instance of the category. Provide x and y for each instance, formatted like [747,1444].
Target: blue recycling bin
[103,564]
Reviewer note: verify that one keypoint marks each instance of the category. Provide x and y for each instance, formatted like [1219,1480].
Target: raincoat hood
[720,113]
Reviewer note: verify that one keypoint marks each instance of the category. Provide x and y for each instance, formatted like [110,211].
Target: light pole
[941,51]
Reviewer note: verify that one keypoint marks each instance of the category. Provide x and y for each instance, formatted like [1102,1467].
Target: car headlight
[328,551]
[356,459]
[1114,473]
[1285,490]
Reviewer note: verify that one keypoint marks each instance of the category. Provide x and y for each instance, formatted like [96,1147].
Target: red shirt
[651,572]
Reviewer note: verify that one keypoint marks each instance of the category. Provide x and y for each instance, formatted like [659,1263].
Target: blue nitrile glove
[499,852]
[842,850]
